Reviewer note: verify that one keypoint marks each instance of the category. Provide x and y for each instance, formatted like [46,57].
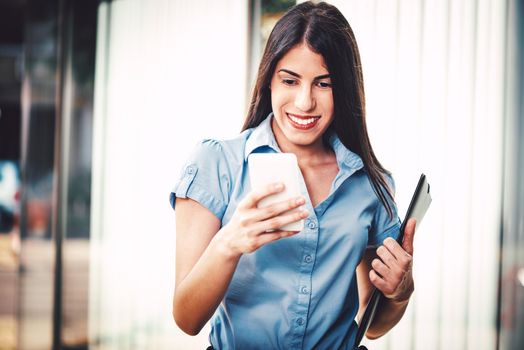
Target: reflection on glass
[11,32]
[272,10]
[57,109]
[511,298]
[263,17]
[9,250]
[37,261]
[77,118]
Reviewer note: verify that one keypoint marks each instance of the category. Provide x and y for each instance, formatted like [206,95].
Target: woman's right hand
[248,228]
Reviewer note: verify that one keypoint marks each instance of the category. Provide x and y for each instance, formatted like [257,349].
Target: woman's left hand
[391,272]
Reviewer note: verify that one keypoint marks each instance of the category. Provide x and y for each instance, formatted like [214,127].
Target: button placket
[306,269]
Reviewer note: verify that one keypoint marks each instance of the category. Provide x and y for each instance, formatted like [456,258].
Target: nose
[304,100]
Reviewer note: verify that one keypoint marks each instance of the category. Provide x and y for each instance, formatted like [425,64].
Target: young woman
[281,289]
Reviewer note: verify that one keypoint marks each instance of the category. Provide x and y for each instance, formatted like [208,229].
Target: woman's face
[301,98]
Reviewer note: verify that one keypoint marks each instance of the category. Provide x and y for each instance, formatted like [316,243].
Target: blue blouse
[299,292]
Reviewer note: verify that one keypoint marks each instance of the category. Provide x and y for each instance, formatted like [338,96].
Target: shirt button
[300,321]
[311,224]
[308,258]
[190,170]
[304,290]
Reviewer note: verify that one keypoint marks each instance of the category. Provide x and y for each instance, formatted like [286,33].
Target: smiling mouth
[302,122]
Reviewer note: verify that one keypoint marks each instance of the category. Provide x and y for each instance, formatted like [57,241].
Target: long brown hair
[325,30]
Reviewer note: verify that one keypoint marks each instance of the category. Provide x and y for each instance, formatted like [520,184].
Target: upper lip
[303,116]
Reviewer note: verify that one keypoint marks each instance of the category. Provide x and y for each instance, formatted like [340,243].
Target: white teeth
[302,121]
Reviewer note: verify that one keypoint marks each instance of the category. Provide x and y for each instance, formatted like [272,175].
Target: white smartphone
[266,168]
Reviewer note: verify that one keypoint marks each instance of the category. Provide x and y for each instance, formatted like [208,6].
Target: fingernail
[300,200]
[279,186]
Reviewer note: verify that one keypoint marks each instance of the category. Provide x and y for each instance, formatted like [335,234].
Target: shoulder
[232,146]
[387,176]
[390,180]
[227,152]
[362,184]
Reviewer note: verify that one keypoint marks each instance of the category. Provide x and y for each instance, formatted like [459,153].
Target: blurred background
[101,101]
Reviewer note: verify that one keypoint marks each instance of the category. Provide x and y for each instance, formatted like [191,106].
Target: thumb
[409,235]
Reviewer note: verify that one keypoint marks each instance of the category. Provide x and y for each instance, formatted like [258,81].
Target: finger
[386,257]
[277,222]
[409,235]
[381,284]
[277,208]
[258,194]
[274,236]
[377,281]
[381,269]
[403,257]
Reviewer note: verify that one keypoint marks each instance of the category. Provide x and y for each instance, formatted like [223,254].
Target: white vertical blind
[433,73]
[168,73]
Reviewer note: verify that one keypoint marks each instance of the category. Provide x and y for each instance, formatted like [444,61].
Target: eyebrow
[299,76]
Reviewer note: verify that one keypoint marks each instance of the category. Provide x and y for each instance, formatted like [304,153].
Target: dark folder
[417,208]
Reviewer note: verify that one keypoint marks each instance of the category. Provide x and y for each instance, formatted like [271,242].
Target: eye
[323,84]
[288,81]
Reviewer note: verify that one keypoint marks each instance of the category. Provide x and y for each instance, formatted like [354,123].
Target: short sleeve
[205,178]
[383,225]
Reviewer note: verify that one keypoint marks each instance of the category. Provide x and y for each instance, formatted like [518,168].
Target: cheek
[278,99]
[327,105]
[327,101]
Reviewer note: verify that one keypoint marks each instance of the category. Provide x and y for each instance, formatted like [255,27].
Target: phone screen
[267,168]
